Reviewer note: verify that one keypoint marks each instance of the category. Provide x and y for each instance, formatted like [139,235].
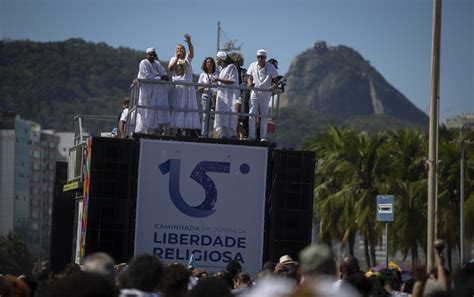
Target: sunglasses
[261,57]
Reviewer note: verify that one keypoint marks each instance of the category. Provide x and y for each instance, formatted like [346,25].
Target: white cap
[150,50]
[221,55]
[262,52]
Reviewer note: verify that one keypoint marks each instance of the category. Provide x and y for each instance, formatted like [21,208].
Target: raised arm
[172,63]
[187,39]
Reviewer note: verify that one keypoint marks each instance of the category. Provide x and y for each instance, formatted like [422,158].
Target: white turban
[221,55]
[262,52]
[150,50]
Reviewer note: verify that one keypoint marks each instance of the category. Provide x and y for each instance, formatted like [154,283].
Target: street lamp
[467,123]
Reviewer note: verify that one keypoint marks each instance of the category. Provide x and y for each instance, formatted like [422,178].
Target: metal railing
[134,107]
[81,135]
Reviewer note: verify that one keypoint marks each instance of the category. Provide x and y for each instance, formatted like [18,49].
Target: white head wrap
[150,50]
[262,52]
[221,55]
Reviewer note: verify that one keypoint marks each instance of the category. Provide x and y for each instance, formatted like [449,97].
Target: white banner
[201,199]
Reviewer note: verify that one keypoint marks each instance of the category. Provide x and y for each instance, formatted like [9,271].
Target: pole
[386,244]
[461,205]
[433,131]
[218,36]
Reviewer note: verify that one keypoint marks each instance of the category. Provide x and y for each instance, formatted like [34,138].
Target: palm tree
[408,149]
[333,206]
[351,170]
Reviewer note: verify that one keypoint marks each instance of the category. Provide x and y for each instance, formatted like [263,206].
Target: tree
[14,255]
[408,149]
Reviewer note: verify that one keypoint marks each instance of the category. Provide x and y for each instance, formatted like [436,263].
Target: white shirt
[123,115]
[188,75]
[262,76]
[149,70]
[207,78]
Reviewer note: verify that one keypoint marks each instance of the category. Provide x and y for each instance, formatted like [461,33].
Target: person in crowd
[122,119]
[234,268]
[226,277]
[226,124]
[175,281]
[242,283]
[210,287]
[187,122]
[390,282]
[200,273]
[144,275]
[286,267]
[319,272]
[463,281]
[241,104]
[359,282]
[100,263]
[81,284]
[260,75]
[152,95]
[208,75]
[348,267]
[14,286]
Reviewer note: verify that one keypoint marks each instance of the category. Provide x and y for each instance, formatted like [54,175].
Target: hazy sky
[394,35]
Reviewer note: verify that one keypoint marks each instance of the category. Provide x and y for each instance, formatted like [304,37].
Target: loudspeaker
[289,207]
[112,197]
[62,221]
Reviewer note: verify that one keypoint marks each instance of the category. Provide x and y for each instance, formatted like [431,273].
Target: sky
[394,35]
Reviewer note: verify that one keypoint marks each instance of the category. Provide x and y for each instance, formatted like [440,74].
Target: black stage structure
[112,194]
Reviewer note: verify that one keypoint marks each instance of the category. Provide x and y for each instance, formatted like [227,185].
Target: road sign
[385,208]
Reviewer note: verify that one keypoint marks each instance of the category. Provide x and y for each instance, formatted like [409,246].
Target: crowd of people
[175,109]
[315,274]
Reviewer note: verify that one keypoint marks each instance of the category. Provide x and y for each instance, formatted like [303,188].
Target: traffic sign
[385,208]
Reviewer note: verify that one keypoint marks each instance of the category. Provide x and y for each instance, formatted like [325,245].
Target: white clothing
[262,78]
[226,98]
[207,78]
[136,293]
[273,286]
[124,115]
[184,97]
[153,95]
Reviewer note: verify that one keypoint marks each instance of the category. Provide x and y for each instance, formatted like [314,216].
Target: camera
[281,83]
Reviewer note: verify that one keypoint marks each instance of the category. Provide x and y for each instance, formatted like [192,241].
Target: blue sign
[385,208]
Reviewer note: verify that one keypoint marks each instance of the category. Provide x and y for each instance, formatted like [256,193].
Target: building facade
[28,157]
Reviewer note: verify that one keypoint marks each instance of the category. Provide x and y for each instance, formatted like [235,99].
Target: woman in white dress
[209,73]
[225,124]
[184,96]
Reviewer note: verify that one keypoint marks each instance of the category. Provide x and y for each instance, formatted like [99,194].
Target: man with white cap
[260,75]
[152,95]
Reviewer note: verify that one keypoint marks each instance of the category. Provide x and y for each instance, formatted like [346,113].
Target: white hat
[262,52]
[150,50]
[286,259]
[221,55]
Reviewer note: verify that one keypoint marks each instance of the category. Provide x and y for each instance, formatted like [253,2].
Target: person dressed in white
[207,77]
[225,124]
[152,95]
[184,96]
[260,75]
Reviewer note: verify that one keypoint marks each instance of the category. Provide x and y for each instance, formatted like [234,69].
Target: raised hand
[187,38]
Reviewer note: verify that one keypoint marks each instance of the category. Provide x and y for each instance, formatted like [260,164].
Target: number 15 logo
[199,174]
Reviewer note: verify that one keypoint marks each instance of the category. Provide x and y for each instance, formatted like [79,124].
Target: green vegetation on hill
[51,82]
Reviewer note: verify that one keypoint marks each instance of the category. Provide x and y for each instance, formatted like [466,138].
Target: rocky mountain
[339,82]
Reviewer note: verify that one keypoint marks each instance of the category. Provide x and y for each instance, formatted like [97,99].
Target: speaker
[289,207]
[62,221]
[112,197]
